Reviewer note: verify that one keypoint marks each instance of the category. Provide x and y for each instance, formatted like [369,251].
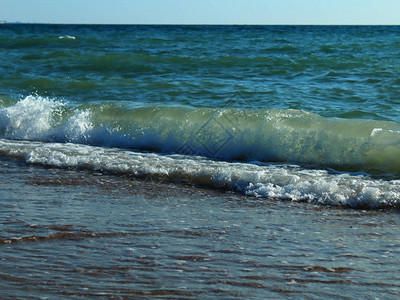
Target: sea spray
[31,118]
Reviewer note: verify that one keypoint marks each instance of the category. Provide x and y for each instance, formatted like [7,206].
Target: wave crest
[267,135]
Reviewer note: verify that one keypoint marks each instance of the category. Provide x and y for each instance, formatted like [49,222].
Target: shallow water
[67,233]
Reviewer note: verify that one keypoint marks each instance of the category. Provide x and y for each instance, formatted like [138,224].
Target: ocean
[199,162]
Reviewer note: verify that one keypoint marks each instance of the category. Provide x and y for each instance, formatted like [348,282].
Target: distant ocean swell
[273,153]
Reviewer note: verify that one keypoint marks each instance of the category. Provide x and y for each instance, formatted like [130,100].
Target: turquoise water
[199,161]
[332,71]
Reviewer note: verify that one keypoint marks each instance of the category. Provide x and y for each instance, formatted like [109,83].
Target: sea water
[199,161]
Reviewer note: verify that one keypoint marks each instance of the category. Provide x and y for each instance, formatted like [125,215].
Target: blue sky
[202,11]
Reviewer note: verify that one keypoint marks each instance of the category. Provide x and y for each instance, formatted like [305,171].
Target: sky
[364,12]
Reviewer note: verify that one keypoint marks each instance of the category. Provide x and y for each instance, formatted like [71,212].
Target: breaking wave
[283,154]
[266,135]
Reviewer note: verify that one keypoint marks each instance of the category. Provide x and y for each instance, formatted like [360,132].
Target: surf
[263,180]
[228,134]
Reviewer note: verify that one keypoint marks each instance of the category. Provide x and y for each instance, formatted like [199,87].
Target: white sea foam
[70,37]
[271,181]
[30,118]
[375,131]
[41,118]
[78,127]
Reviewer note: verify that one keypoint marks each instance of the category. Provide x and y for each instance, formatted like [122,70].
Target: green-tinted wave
[268,135]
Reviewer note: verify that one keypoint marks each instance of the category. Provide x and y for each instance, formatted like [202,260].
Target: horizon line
[2,22]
